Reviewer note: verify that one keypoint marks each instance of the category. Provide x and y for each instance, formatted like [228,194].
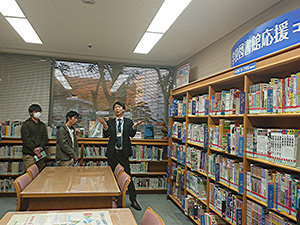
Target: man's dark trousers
[118,157]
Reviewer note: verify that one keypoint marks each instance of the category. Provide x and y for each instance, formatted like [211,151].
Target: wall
[216,57]
[24,80]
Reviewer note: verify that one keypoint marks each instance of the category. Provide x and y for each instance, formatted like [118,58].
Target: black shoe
[136,205]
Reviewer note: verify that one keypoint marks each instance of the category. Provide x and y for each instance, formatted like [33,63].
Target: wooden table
[118,216]
[58,188]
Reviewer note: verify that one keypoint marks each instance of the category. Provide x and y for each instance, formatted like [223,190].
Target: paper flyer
[75,218]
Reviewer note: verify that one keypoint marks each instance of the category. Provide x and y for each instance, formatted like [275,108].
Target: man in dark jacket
[67,149]
[35,138]
[119,130]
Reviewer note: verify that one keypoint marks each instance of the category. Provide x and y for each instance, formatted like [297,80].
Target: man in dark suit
[119,130]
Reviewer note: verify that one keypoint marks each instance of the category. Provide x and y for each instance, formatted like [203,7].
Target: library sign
[274,35]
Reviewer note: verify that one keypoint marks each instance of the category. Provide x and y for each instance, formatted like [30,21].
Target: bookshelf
[152,180]
[227,162]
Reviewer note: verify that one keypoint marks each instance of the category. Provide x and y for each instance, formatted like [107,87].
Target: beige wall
[216,57]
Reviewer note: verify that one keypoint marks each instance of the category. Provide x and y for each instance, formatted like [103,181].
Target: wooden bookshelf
[155,168]
[276,65]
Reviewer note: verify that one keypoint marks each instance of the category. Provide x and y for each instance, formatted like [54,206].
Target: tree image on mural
[93,89]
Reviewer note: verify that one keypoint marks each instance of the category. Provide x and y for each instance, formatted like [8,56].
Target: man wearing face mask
[35,138]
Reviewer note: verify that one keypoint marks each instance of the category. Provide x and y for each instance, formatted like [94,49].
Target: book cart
[149,161]
[234,144]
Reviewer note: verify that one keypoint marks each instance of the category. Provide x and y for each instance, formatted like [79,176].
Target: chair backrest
[118,171]
[150,217]
[123,183]
[33,171]
[20,184]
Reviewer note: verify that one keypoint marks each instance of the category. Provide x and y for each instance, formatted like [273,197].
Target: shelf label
[272,36]
[270,195]
[241,182]
[245,68]
[217,169]
[241,146]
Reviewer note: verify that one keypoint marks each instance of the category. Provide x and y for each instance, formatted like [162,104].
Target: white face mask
[37,115]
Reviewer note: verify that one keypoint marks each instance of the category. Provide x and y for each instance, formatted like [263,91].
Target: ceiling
[114,27]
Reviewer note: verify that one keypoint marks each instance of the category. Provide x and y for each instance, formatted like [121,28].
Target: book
[149,134]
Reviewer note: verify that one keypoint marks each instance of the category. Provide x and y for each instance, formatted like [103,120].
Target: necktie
[119,138]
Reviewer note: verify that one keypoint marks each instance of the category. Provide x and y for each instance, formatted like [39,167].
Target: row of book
[178,175]
[223,169]
[226,202]
[147,152]
[13,129]
[11,167]
[198,105]
[178,152]
[194,208]
[280,146]
[196,159]
[178,129]
[198,134]
[11,151]
[227,136]
[95,151]
[279,95]
[257,214]
[141,167]
[226,102]
[95,163]
[150,182]
[6,185]
[178,107]
[278,189]
[196,185]
[197,210]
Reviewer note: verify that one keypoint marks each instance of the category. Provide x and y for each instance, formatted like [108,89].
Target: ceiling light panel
[167,14]
[147,42]
[11,8]
[24,29]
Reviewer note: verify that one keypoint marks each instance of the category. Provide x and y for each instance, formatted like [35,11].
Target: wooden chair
[33,171]
[118,171]
[20,184]
[123,183]
[150,217]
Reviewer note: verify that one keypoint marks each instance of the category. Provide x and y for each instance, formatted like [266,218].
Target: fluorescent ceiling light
[11,8]
[24,29]
[167,14]
[117,84]
[14,15]
[62,80]
[147,42]
[164,18]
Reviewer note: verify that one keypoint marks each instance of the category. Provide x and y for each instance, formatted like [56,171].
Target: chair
[20,184]
[123,183]
[150,217]
[118,171]
[33,171]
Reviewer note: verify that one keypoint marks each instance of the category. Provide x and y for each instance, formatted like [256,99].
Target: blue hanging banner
[272,36]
